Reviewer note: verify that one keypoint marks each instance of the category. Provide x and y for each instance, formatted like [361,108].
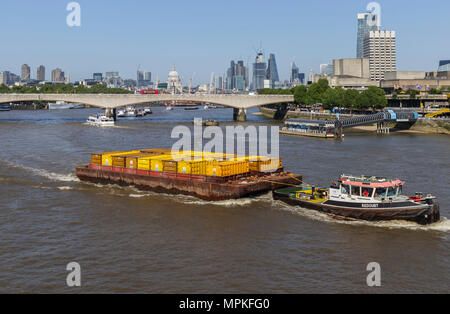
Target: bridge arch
[113,101]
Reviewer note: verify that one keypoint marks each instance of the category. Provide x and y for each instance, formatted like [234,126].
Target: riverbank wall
[432,126]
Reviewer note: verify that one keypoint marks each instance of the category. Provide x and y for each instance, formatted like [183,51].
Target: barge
[211,176]
[364,198]
[208,188]
[309,128]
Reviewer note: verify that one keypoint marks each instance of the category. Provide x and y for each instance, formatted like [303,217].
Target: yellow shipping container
[145,163]
[266,165]
[197,167]
[97,158]
[227,168]
[132,160]
[158,151]
[118,161]
[107,157]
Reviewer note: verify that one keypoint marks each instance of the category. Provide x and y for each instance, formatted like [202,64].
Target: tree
[323,85]
[300,94]
[351,99]
[314,94]
[4,89]
[374,97]
[329,98]
[340,96]
[363,101]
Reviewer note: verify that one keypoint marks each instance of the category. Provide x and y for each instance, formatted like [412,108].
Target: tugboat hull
[423,214]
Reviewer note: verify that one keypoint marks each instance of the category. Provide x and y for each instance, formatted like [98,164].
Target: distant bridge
[112,101]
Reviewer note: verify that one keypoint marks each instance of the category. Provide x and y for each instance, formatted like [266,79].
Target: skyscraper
[366,22]
[380,48]
[97,77]
[294,72]
[140,78]
[272,70]
[219,83]
[58,76]
[8,78]
[4,77]
[236,76]
[26,72]
[444,65]
[301,78]
[259,72]
[326,69]
[112,74]
[147,76]
[40,73]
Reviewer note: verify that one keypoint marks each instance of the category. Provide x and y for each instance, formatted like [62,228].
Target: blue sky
[203,36]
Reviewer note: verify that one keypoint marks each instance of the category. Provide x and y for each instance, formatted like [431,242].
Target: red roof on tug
[371,182]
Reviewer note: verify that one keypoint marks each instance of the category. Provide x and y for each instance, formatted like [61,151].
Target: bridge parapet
[121,100]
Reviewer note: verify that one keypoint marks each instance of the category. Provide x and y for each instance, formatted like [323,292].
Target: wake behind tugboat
[364,198]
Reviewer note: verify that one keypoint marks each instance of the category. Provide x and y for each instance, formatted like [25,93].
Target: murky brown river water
[131,241]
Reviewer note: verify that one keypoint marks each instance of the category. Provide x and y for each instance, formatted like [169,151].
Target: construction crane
[190,82]
[211,83]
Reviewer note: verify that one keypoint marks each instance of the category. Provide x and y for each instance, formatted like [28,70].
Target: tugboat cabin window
[380,192]
[367,192]
[391,192]
[356,190]
[345,189]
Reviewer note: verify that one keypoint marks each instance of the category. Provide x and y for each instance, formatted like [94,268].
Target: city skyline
[95,48]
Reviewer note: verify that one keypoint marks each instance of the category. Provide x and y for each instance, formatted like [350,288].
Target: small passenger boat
[364,198]
[100,120]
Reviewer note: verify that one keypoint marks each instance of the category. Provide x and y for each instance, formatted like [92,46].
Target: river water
[128,241]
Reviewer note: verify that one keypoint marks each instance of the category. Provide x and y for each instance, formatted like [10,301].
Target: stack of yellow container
[227,168]
[154,163]
[262,163]
[187,162]
[196,167]
[97,158]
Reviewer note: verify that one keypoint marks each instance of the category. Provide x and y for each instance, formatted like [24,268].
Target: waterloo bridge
[110,102]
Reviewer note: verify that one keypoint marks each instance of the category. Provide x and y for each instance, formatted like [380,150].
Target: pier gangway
[382,119]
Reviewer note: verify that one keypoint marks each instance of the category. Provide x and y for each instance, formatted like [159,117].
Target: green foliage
[413,93]
[374,97]
[314,94]
[351,99]
[330,98]
[279,91]
[323,84]
[434,91]
[320,92]
[300,94]
[63,89]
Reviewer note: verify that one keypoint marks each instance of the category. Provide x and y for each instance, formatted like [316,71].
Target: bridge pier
[239,114]
[338,129]
[110,112]
[383,127]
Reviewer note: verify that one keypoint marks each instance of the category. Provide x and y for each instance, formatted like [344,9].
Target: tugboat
[364,198]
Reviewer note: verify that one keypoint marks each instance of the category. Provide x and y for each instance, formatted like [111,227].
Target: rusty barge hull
[203,187]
